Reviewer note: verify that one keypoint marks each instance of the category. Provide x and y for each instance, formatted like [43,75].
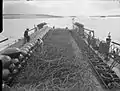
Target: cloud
[49,7]
[113,12]
[21,8]
[57,7]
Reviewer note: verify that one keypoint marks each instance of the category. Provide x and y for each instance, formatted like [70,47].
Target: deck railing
[115,47]
[113,50]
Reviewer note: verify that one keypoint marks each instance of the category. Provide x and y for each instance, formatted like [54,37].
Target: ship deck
[62,65]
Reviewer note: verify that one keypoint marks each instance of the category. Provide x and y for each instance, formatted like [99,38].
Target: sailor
[26,36]
[40,43]
[66,28]
[35,28]
[53,27]
[89,39]
[117,51]
[73,19]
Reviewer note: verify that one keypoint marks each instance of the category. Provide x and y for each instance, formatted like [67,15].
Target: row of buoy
[14,59]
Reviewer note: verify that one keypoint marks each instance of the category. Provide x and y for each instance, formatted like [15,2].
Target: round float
[28,47]
[15,71]
[5,74]
[25,49]
[12,52]
[24,53]
[15,61]
[19,66]
[21,57]
[6,61]
[31,52]
[23,62]
[31,45]
[12,67]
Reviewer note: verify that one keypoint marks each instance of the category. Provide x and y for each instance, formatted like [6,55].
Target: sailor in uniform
[26,36]
[40,43]
[73,20]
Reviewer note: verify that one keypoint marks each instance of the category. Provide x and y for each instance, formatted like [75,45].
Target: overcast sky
[62,7]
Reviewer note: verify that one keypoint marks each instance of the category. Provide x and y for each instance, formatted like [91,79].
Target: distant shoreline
[24,16]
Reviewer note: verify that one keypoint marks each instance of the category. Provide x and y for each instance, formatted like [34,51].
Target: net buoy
[12,52]
[25,49]
[23,63]
[12,67]
[5,74]
[15,61]
[31,45]
[28,47]
[24,53]
[19,66]
[31,52]
[21,57]
[6,61]
[36,41]
[15,71]
[26,58]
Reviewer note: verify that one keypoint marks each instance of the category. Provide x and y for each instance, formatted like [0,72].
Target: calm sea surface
[15,28]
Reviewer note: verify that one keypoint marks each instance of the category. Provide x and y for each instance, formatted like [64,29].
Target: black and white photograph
[60,45]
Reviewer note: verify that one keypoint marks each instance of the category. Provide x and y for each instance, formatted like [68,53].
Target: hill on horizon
[15,16]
